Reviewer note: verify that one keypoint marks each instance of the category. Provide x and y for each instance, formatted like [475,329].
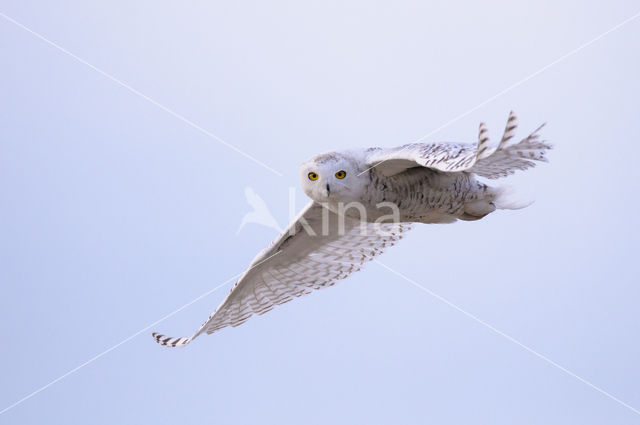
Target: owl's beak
[327,190]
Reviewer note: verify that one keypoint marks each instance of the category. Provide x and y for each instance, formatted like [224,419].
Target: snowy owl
[362,201]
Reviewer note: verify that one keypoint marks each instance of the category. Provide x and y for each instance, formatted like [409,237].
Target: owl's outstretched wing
[480,159]
[318,249]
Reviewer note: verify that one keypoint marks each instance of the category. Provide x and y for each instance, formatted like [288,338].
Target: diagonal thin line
[510,338]
[129,338]
[517,83]
[140,94]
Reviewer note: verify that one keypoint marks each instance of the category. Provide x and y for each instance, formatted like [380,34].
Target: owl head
[333,177]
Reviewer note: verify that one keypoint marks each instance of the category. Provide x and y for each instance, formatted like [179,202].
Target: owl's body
[362,203]
[423,195]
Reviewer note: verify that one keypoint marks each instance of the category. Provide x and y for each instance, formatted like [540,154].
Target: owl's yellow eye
[312,176]
[341,174]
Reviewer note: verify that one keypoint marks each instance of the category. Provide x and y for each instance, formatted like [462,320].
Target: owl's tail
[498,198]
[506,198]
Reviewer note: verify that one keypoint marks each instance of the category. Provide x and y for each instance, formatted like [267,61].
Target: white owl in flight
[362,202]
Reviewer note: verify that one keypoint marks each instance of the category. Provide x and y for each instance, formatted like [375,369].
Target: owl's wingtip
[168,341]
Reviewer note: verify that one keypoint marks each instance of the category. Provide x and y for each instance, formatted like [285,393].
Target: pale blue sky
[114,213]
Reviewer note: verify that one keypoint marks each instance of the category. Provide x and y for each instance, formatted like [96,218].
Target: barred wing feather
[479,158]
[306,257]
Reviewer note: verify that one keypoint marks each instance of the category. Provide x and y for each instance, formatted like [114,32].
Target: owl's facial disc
[332,177]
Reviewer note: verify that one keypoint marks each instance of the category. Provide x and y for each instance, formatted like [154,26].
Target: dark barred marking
[509,130]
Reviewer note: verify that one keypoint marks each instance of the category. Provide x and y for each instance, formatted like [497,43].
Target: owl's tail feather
[499,198]
[507,199]
[170,341]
